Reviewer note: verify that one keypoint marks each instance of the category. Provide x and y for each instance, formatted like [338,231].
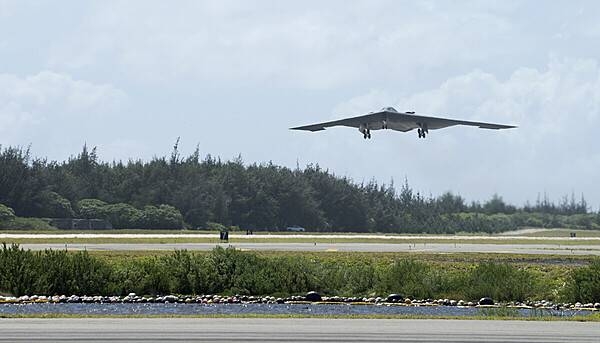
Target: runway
[237,236]
[292,330]
[539,249]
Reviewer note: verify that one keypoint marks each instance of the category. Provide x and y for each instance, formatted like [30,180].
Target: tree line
[194,192]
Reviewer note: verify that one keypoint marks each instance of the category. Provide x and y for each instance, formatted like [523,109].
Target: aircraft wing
[433,123]
[349,122]
[390,119]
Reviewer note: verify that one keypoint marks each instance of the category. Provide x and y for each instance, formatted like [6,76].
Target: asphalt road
[292,330]
[554,249]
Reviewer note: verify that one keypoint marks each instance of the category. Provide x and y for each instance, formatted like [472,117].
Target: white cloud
[554,149]
[47,100]
[312,45]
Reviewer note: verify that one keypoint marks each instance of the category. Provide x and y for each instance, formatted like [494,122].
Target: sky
[232,77]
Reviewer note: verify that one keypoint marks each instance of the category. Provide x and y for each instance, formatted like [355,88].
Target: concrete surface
[292,330]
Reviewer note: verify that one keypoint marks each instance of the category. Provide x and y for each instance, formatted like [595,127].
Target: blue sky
[232,76]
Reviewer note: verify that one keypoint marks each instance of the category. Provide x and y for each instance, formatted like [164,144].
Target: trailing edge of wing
[491,126]
[312,128]
[350,122]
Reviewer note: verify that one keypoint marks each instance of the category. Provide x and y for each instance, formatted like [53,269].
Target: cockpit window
[389,109]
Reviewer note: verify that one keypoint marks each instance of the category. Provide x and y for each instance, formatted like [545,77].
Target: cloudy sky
[232,76]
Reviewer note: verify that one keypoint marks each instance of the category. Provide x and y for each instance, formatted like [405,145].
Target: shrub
[228,271]
[92,209]
[162,217]
[19,270]
[124,216]
[584,284]
[51,272]
[409,278]
[6,213]
[216,227]
[19,223]
[581,221]
[501,281]
[53,205]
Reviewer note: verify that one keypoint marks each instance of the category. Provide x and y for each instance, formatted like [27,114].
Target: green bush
[190,273]
[19,223]
[216,227]
[92,209]
[51,272]
[161,217]
[584,284]
[228,271]
[6,213]
[360,278]
[53,205]
[124,216]
[410,278]
[19,270]
[581,221]
[501,281]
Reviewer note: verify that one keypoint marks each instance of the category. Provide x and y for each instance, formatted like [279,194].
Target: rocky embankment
[311,297]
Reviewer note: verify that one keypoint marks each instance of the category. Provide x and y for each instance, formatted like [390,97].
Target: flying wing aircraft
[389,118]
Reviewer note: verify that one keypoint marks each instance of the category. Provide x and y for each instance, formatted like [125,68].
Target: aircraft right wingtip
[308,128]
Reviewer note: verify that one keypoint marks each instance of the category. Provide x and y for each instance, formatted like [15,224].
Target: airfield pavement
[292,330]
[366,237]
[538,249]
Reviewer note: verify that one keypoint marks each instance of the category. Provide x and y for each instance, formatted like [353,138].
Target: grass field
[564,233]
[452,258]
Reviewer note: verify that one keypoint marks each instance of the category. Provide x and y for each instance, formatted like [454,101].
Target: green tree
[53,205]
[124,216]
[161,217]
[6,213]
[92,209]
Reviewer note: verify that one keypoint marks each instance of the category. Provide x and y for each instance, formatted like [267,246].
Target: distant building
[80,224]
[295,229]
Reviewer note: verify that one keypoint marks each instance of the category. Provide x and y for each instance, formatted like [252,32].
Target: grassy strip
[469,257]
[110,232]
[563,233]
[412,241]
[587,318]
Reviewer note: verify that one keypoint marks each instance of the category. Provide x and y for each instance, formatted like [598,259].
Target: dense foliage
[174,192]
[6,213]
[51,272]
[227,271]
[584,286]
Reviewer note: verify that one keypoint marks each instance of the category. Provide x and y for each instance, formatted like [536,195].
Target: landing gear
[422,131]
[364,129]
